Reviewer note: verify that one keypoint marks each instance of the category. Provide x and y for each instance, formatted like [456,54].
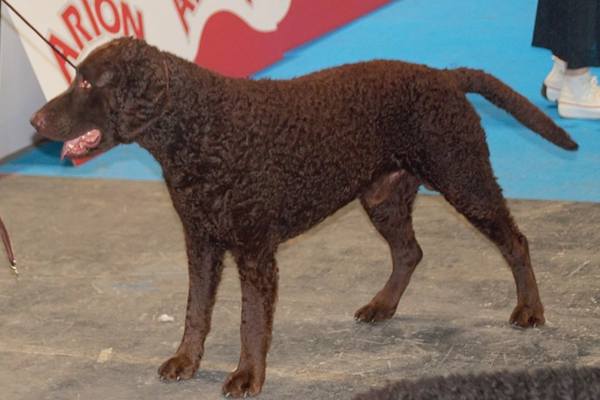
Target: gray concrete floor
[100,261]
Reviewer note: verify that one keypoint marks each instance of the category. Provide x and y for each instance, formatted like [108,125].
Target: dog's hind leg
[205,267]
[497,224]
[258,279]
[463,174]
[388,203]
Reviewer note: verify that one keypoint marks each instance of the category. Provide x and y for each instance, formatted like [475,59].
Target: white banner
[78,26]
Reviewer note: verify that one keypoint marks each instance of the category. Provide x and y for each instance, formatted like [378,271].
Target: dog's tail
[500,94]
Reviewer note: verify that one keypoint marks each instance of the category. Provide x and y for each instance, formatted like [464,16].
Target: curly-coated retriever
[563,383]
[250,164]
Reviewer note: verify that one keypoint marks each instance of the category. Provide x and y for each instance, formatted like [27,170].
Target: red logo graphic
[230,46]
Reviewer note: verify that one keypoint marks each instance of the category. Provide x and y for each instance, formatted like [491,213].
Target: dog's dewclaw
[7,246]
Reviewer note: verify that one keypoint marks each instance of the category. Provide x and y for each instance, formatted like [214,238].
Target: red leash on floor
[7,246]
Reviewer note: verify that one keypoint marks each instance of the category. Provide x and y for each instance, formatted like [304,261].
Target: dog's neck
[163,136]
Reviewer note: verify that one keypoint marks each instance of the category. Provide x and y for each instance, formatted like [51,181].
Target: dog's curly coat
[250,164]
[564,383]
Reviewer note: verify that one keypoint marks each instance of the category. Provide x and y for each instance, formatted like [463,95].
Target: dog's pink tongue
[79,146]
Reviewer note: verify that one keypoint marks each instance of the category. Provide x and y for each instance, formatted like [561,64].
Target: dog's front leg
[205,267]
[258,277]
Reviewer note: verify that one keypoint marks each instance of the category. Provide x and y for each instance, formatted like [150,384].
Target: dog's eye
[85,84]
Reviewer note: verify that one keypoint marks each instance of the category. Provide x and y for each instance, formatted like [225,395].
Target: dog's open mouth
[81,145]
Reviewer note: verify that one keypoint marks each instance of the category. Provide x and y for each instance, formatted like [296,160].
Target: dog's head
[118,89]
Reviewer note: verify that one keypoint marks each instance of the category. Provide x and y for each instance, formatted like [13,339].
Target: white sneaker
[580,97]
[554,80]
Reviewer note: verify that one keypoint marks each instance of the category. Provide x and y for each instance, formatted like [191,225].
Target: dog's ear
[142,94]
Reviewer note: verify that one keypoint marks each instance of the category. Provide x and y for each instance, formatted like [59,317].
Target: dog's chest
[226,210]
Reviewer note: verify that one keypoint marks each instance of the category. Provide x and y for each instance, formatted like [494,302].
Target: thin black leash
[39,34]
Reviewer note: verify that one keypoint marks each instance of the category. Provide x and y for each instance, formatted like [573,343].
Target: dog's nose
[38,121]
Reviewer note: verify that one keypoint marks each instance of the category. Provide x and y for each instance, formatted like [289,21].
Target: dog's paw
[528,316]
[374,312]
[177,368]
[242,383]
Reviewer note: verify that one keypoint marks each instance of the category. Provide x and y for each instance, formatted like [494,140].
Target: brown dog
[250,164]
